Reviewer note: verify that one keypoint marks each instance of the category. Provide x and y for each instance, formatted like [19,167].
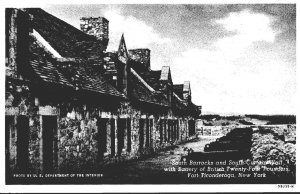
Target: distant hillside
[217,120]
[275,119]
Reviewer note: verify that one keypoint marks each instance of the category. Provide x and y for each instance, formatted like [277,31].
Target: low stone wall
[269,145]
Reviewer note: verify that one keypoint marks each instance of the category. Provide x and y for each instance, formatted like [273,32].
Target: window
[177,129]
[169,130]
[151,133]
[128,135]
[141,133]
[161,131]
[113,136]
[147,133]
[165,129]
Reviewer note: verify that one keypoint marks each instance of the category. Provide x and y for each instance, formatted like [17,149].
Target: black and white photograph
[150,94]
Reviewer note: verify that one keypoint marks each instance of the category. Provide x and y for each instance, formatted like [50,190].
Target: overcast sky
[239,58]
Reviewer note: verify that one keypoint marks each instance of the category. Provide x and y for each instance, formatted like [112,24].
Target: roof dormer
[187,91]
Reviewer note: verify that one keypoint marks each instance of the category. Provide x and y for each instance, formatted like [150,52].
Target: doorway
[49,139]
[141,133]
[102,140]
[113,136]
[128,135]
[120,135]
[22,143]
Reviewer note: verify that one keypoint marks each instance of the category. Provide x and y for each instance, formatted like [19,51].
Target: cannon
[234,138]
[216,156]
[227,145]
[239,132]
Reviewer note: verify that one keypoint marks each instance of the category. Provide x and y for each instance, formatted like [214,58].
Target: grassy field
[236,120]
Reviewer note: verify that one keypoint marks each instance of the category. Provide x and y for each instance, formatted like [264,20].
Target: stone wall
[60,128]
[21,102]
[77,145]
[79,142]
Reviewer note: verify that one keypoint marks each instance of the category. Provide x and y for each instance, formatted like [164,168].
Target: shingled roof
[43,66]
[84,78]
[78,54]
[140,92]
[178,103]
[194,109]
[64,38]
[178,89]
[72,73]
[152,78]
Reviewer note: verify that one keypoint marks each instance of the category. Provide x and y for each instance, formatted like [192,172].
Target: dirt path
[151,169]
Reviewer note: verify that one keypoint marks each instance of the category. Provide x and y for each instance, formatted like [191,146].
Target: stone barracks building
[71,106]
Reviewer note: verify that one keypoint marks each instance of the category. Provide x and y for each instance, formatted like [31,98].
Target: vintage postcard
[150,94]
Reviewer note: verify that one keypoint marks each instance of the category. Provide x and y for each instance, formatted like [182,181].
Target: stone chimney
[142,57]
[187,91]
[97,27]
[166,83]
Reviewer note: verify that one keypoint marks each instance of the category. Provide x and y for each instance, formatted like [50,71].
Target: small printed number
[285,186]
